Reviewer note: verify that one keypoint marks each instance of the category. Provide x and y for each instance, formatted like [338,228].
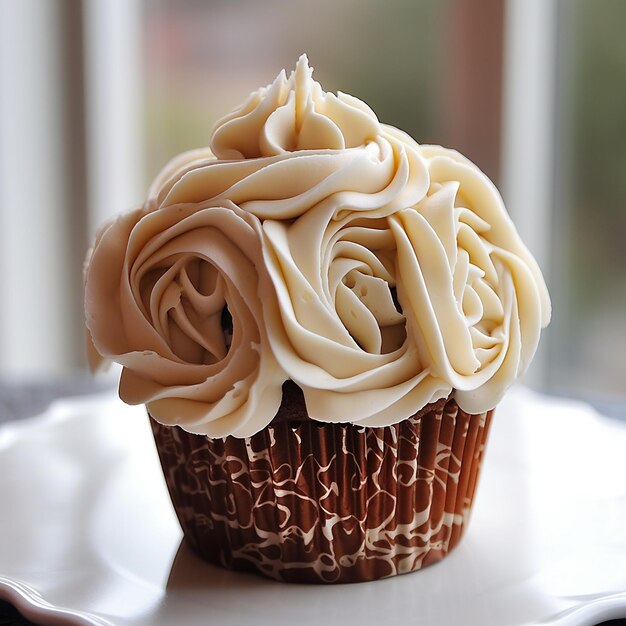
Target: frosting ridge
[293,114]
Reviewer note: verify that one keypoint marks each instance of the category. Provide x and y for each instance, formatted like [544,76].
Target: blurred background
[95,96]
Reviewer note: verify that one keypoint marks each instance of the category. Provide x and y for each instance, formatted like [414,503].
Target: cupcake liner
[303,501]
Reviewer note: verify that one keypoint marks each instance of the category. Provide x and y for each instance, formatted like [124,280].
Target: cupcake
[320,315]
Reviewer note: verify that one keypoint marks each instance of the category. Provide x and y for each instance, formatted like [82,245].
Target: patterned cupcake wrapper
[327,503]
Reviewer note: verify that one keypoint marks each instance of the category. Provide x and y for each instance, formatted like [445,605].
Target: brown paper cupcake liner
[327,503]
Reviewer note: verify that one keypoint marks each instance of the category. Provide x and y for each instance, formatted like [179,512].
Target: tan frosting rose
[173,296]
[477,295]
[378,274]
[341,333]
[382,315]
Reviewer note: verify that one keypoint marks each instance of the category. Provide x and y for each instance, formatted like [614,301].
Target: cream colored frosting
[291,146]
[378,274]
[157,284]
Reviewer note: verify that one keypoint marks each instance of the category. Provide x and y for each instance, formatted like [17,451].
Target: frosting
[291,146]
[342,333]
[378,274]
[172,296]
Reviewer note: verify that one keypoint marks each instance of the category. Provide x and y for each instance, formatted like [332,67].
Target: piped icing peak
[293,114]
[313,243]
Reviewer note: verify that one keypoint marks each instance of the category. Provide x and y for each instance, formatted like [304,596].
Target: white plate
[87,534]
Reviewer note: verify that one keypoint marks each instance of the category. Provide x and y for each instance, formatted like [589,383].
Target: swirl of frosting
[477,296]
[173,296]
[381,315]
[291,146]
[341,332]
